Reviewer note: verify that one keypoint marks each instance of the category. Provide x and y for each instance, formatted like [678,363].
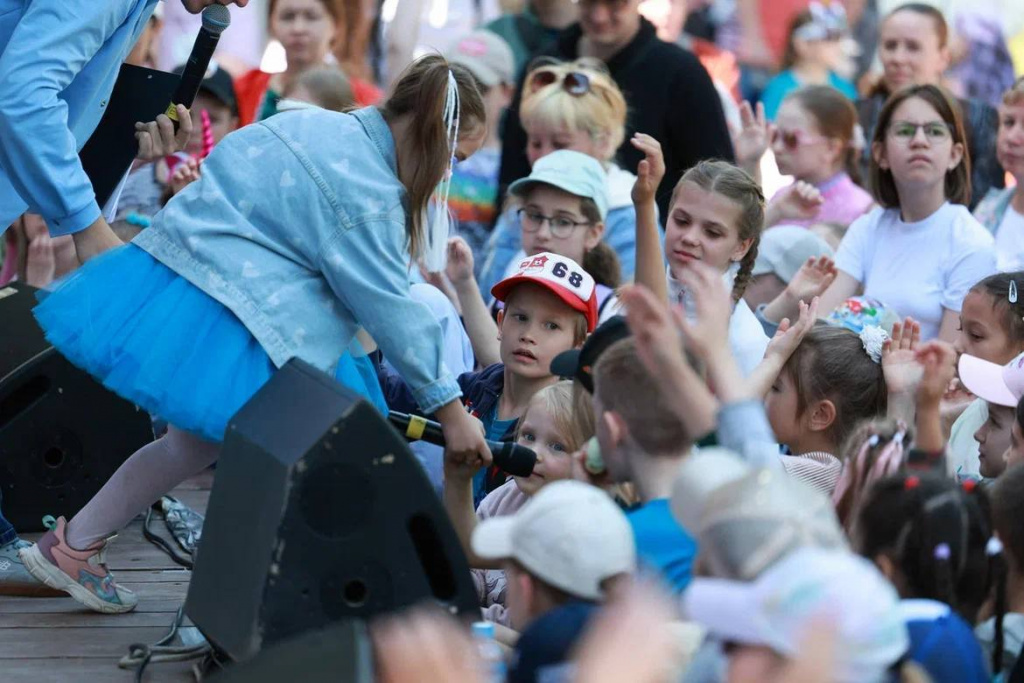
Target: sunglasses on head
[573,82]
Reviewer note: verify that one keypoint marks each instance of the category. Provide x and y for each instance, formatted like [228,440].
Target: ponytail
[421,95]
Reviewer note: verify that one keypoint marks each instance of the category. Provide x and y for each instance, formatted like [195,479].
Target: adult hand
[157,138]
[798,202]
[900,365]
[41,264]
[424,646]
[460,261]
[650,171]
[466,449]
[184,174]
[751,140]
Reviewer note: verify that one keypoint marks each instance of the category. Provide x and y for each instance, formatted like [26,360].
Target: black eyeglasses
[561,227]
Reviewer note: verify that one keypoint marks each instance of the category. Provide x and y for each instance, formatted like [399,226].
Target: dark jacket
[981,123]
[670,97]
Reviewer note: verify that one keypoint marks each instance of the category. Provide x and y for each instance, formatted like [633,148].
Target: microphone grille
[216,18]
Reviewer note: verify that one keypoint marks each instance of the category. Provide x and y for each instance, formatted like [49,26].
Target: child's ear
[615,426]
[878,153]
[501,317]
[595,233]
[823,415]
[741,249]
[956,155]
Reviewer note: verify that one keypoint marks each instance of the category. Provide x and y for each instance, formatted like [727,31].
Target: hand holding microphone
[463,441]
[171,130]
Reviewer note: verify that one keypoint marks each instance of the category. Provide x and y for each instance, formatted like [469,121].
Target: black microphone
[216,18]
[513,458]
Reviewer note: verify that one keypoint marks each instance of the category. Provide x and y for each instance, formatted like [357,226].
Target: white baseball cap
[785,248]
[560,274]
[746,519]
[1002,385]
[570,535]
[777,609]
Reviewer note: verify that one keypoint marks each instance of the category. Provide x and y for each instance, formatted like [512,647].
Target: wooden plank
[75,642]
[76,670]
[88,620]
[153,597]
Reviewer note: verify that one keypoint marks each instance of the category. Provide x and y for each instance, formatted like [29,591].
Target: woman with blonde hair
[575,106]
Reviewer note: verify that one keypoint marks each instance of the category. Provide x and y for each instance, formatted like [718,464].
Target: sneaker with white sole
[82,574]
[15,579]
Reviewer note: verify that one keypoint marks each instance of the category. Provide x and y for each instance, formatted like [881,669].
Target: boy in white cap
[1001,387]
[561,552]
[473,196]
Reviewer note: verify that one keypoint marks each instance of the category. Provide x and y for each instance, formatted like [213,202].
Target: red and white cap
[999,384]
[560,274]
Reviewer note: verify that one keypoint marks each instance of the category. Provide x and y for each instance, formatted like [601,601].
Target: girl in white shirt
[921,251]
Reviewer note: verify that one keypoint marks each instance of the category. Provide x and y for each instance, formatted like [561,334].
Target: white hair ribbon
[435,255]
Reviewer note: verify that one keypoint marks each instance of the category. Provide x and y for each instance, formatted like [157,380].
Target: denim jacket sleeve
[743,428]
[53,41]
[364,267]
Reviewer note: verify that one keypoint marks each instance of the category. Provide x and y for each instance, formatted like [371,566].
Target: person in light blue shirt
[298,233]
[59,60]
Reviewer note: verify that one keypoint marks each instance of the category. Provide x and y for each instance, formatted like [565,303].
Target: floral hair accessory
[873,338]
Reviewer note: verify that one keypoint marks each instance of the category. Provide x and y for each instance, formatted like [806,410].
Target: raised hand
[789,336]
[813,279]
[753,138]
[938,363]
[656,330]
[650,171]
[706,329]
[800,201]
[460,261]
[900,365]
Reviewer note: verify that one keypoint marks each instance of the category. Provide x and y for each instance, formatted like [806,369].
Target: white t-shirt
[1010,242]
[918,269]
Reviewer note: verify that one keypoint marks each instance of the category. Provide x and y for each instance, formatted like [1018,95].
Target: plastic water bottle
[490,651]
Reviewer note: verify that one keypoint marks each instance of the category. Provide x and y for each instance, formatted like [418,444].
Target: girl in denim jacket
[298,233]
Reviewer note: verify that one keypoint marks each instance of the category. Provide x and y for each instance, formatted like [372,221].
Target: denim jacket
[298,226]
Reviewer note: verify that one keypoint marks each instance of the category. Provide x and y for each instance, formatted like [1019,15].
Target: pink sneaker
[82,574]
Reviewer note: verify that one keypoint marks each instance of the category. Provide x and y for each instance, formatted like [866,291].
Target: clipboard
[140,94]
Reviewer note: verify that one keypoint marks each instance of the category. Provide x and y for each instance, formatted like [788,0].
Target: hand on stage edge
[95,240]
[157,139]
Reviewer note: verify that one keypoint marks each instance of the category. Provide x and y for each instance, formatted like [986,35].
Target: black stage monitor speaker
[339,653]
[62,434]
[319,512]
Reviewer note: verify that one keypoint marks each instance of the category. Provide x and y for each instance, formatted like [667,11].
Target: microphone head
[216,18]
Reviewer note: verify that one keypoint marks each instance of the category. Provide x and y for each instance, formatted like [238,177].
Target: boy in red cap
[550,307]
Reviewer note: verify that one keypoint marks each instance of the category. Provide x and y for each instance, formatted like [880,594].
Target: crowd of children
[776,395]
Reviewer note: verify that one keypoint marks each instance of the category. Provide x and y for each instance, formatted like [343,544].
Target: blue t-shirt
[662,544]
[786,82]
[494,430]
[943,643]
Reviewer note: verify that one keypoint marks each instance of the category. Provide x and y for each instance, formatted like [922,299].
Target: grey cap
[785,248]
[574,172]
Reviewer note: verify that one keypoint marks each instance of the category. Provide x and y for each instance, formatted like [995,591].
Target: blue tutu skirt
[154,338]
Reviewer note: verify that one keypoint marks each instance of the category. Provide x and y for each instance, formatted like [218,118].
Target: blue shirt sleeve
[51,44]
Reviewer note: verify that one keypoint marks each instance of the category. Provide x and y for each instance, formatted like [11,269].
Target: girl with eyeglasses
[816,139]
[921,251]
[814,55]
[571,106]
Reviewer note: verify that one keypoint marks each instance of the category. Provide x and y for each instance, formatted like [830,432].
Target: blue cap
[573,172]
[943,643]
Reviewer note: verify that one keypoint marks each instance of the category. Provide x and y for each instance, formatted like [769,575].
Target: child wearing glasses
[816,139]
[574,106]
[814,55]
[921,250]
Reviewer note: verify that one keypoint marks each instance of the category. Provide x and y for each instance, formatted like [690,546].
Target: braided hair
[735,184]
[1007,509]
[936,532]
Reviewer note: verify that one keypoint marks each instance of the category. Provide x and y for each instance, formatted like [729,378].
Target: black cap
[579,363]
[218,83]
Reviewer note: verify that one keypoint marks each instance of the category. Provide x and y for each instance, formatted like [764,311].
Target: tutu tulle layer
[155,339]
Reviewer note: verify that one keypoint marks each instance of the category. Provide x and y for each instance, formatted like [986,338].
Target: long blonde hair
[573,418]
[421,93]
[601,111]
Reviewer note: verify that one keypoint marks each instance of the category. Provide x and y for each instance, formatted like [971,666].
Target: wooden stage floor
[54,640]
